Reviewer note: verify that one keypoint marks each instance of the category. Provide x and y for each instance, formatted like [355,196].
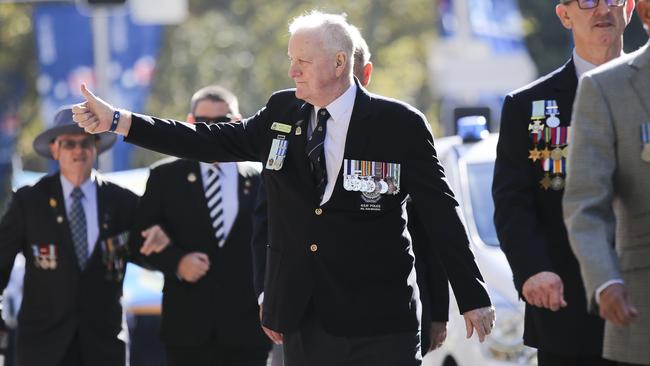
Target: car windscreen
[479,176]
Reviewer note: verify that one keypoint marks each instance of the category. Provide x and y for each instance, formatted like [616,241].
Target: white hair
[333,29]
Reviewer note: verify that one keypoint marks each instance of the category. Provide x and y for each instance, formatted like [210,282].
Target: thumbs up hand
[95,115]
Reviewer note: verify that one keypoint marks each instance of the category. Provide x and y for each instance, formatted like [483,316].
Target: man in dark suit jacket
[209,314]
[528,187]
[340,282]
[71,312]
[435,306]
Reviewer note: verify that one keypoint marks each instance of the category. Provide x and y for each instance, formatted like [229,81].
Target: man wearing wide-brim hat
[70,227]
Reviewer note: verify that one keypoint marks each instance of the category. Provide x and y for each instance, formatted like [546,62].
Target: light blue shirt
[89,204]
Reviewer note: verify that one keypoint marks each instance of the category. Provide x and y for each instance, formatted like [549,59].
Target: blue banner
[65,53]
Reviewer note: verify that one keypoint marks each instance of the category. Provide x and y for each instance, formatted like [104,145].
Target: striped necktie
[214,198]
[78,227]
[316,152]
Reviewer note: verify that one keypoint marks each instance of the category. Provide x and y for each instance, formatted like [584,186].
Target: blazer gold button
[313,248]
[318,211]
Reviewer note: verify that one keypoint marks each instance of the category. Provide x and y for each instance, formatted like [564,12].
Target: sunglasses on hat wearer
[208,120]
[591,4]
[85,144]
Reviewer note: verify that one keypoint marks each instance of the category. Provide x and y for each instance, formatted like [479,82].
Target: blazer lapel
[639,79]
[296,151]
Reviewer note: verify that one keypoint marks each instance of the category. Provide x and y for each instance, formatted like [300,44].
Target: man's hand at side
[274,336]
[544,290]
[615,305]
[481,319]
[193,266]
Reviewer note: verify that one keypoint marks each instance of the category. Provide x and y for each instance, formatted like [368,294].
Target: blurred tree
[242,44]
[18,100]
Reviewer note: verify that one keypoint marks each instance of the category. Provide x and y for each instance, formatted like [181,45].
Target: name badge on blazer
[114,255]
[45,256]
[277,153]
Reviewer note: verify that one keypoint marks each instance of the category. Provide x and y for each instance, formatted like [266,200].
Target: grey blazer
[607,197]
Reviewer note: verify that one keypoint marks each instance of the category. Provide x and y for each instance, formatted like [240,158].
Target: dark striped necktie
[316,152]
[214,197]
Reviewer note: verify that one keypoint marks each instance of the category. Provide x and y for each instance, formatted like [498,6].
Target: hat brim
[42,142]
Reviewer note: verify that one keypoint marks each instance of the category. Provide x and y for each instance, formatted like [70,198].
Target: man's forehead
[73,136]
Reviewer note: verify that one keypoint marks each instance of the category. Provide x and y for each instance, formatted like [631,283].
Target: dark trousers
[73,356]
[554,359]
[213,354]
[311,345]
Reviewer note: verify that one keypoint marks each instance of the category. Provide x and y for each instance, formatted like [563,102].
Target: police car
[468,159]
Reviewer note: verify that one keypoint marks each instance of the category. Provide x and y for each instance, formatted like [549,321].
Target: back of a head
[215,93]
[333,29]
[361,52]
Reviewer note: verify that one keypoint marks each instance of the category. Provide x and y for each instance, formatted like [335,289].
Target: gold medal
[645,153]
[534,154]
[565,152]
[545,153]
[545,182]
[556,154]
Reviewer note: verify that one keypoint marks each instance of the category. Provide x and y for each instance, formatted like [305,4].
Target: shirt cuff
[260,299]
[604,286]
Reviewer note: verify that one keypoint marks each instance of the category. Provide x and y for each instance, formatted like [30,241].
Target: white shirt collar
[86,187]
[582,65]
[341,106]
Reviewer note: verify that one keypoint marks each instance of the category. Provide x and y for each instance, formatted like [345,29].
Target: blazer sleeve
[513,191]
[149,213]
[260,239]
[432,280]
[12,237]
[225,142]
[589,190]
[436,206]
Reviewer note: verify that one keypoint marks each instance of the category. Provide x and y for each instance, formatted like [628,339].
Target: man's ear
[367,74]
[341,61]
[54,150]
[629,8]
[562,13]
[190,118]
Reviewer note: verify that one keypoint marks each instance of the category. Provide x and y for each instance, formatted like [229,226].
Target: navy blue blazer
[354,266]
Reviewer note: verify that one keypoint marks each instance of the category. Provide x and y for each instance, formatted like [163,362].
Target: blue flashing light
[472,128]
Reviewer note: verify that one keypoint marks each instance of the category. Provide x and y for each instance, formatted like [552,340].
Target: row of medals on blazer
[549,143]
[114,250]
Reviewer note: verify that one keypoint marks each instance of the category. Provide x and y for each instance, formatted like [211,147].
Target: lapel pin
[52,203]
[247,191]
[247,183]
[298,131]
[59,219]
[191,177]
